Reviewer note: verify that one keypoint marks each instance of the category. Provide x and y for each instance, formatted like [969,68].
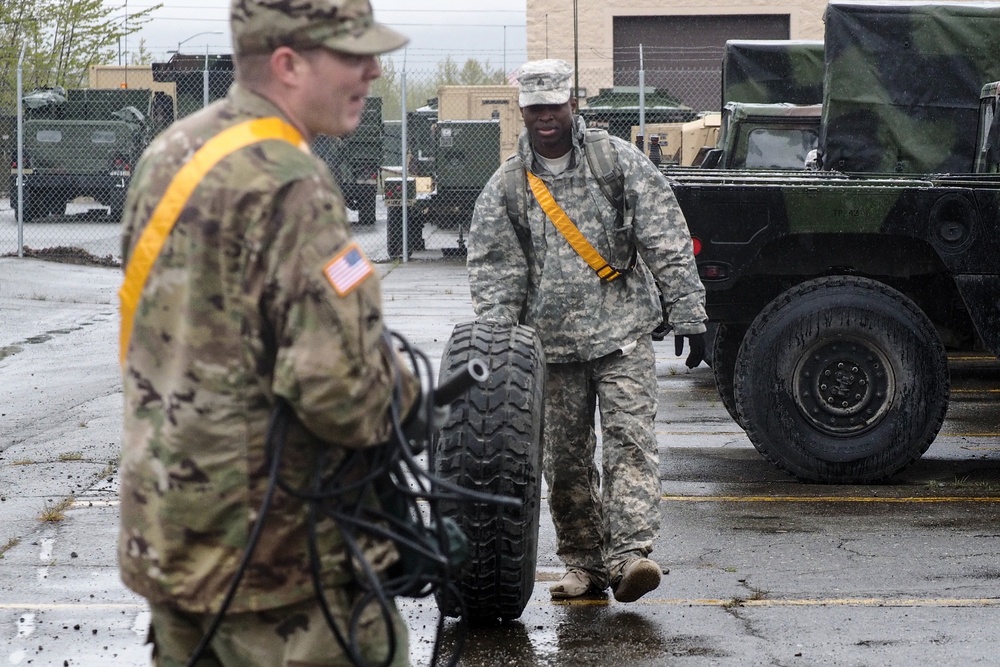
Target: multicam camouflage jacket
[578,316]
[241,308]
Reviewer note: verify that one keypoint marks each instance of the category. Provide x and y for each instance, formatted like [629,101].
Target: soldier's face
[336,85]
[550,127]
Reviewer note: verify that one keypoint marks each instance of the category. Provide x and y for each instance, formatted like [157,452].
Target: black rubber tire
[492,443]
[366,206]
[725,347]
[842,380]
[36,204]
[394,232]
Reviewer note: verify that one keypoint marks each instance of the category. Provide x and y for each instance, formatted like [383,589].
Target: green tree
[61,40]
[475,73]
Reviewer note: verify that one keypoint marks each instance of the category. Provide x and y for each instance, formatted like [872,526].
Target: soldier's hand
[696,348]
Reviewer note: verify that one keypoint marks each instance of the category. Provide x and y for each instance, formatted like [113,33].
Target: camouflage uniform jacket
[238,311]
[577,316]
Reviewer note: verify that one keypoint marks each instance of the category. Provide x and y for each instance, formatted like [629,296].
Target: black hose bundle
[384,493]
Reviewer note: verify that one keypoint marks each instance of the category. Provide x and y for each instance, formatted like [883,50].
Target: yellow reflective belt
[566,227]
[165,215]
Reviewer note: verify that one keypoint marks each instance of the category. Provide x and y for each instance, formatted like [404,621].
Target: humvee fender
[492,444]
[841,379]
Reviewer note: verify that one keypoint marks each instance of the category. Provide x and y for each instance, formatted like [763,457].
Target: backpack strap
[515,191]
[604,166]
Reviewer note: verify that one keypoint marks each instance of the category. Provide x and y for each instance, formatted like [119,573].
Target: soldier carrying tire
[576,237]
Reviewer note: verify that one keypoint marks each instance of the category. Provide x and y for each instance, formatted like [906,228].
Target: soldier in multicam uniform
[258,295]
[595,333]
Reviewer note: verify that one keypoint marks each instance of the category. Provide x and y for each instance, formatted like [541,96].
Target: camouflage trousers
[604,517]
[292,636]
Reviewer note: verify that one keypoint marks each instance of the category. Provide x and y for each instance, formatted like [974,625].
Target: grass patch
[71,456]
[57,512]
[23,462]
[11,543]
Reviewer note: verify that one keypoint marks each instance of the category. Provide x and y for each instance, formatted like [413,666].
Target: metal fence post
[20,154]
[402,102]
[642,95]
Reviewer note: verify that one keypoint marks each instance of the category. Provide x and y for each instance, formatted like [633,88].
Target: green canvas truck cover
[902,84]
[765,71]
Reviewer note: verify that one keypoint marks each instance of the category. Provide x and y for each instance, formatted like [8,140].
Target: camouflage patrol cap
[347,26]
[544,82]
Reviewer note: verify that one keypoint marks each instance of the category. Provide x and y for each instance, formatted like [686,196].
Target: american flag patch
[348,269]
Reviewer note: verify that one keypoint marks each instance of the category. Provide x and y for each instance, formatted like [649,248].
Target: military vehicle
[455,144]
[617,109]
[766,71]
[765,136]
[79,142]
[355,161]
[772,93]
[837,294]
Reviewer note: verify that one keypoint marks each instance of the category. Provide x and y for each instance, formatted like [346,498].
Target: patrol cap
[544,82]
[347,26]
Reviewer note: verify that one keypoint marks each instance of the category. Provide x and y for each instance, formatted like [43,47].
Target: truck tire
[394,232]
[36,204]
[366,206]
[841,380]
[726,345]
[492,443]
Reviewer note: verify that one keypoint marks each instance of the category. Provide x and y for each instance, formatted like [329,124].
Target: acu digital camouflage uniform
[596,338]
[236,313]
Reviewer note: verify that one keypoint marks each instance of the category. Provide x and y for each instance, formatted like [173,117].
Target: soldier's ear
[572,104]
[286,65]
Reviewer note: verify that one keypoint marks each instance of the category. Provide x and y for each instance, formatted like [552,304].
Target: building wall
[550,27]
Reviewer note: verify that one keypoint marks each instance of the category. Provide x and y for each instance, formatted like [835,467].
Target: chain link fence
[410,180]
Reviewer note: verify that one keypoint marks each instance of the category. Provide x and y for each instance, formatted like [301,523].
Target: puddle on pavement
[9,350]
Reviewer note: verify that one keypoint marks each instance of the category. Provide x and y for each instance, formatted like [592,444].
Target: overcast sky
[494,30]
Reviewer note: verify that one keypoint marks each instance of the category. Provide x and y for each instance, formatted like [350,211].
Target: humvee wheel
[726,345]
[492,444]
[841,380]
[366,207]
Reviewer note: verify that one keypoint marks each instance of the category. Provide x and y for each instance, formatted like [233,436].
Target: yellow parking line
[40,606]
[825,602]
[831,499]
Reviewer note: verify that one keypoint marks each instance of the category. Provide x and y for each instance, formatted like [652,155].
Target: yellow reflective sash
[566,227]
[169,208]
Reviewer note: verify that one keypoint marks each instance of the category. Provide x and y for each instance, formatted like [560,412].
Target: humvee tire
[492,443]
[366,206]
[725,346]
[841,380]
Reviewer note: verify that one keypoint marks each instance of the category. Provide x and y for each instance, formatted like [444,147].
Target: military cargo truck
[772,93]
[81,142]
[902,82]
[838,295]
[456,142]
[355,161]
[767,71]
[765,136]
[988,141]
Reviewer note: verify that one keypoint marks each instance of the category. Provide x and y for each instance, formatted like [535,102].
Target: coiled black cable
[383,493]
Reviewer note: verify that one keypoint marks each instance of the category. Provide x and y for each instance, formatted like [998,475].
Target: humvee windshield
[779,148]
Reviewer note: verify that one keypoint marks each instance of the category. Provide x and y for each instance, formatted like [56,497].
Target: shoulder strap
[169,208]
[513,185]
[604,166]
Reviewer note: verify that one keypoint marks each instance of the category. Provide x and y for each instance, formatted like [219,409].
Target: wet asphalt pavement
[763,570]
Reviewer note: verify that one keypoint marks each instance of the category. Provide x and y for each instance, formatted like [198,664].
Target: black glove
[696,343]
